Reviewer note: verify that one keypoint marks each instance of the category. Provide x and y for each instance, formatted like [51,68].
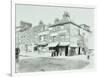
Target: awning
[53,44]
[73,45]
[42,44]
[64,44]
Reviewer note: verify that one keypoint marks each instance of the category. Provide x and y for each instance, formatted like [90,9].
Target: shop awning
[42,44]
[53,44]
[64,44]
[73,45]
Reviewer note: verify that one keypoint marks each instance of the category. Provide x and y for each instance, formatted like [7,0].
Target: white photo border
[13,23]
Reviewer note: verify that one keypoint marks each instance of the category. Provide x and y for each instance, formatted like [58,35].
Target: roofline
[80,26]
[59,24]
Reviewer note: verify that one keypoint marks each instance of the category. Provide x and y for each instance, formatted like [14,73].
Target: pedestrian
[17,51]
[52,53]
[88,56]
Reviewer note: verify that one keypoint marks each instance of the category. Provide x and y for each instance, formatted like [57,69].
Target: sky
[33,14]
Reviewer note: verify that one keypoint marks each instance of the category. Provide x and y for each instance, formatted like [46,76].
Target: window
[55,29]
[54,38]
[62,27]
[41,38]
[62,37]
[45,37]
[23,36]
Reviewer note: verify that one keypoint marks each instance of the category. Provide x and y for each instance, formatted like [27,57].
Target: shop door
[66,51]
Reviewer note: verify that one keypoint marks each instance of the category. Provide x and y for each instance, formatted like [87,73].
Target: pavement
[25,55]
[35,54]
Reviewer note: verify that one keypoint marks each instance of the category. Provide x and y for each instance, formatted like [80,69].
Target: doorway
[66,51]
[79,51]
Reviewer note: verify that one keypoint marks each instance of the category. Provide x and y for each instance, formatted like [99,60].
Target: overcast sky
[34,14]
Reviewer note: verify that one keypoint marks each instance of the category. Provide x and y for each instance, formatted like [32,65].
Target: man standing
[17,51]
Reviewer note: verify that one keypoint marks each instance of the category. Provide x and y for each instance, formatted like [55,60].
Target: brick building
[64,36]
[23,36]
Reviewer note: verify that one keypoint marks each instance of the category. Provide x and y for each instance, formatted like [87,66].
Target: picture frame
[13,32]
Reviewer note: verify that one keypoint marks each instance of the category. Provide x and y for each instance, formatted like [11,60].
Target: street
[37,64]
